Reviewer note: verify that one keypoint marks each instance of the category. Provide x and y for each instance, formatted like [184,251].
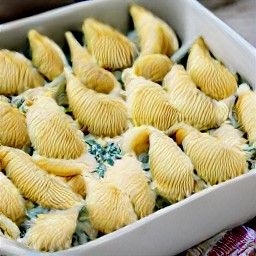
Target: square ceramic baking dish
[184,224]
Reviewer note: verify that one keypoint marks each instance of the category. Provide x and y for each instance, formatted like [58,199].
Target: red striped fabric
[235,242]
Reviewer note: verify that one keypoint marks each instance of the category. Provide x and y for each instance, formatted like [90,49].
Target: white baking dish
[184,224]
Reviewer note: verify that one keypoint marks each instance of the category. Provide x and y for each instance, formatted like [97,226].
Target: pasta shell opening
[47,56]
[111,49]
[24,75]
[155,36]
[212,77]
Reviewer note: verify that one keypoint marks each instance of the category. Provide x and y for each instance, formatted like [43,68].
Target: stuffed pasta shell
[111,49]
[212,77]
[17,73]
[13,128]
[109,208]
[53,134]
[52,231]
[64,167]
[155,36]
[47,56]
[8,228]
[171,169]
[128,175]
[34,183]
[100,114]
[148,103]
[153,67]
[77,183]
[228,134]
[246,111]
[136,140]
[215,160]
[196,108]
[87,71]
[11,203]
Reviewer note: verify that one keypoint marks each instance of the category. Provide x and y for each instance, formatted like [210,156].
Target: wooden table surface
[238,14]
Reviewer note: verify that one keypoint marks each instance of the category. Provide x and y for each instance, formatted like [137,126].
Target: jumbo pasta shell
[98,79]
[13,128]
[196,108]
[148,104]
[88,72]
[153,67]
[100,114]
[52,231]
[77,183]
[212,77]
[155,36]
[128,175]
[214,160]
[34,183]
[25,98]
[8,228]
[246,111]
[79,54]
[109,208]
[47,56]
[17,73]
[171,169]
[136,140]
[52,89]
[111,49]
[52,133]
[11,203]
[228,134]
[64,167]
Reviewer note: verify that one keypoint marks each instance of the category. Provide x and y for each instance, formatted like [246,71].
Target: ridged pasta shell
[63,167]
[136,140]
[61,95]
[148,103]
[28,96]
[213,78]
[79,54]
[52,89]
[55,89]
[11,203]
[52,231]
[34,183]
[98,113]
[109,208]
[196,108]
[13,128]
[17,73]
[228,134]
[88,72]
[153,67]
[128,175]
[111,49]
[171,169]
[8,228]
[155,36]
[77,183]
[52,132]
[214,160]
[47,56]
[246,111]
